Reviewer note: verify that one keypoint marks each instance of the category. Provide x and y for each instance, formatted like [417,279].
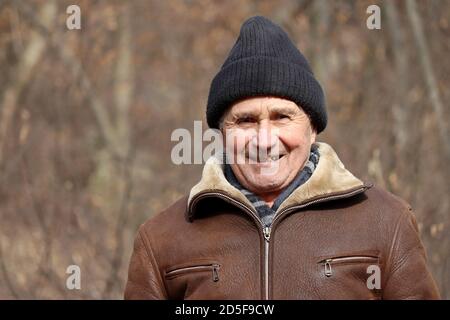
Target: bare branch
[123,92]
[24,71]
[6,278]
[71,61]
[427,69]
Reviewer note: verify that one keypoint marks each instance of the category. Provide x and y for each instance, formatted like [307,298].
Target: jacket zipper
[267,230]
[350,259]
[180,271]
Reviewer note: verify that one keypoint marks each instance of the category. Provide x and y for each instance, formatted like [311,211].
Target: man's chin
[266,184]
[268,169]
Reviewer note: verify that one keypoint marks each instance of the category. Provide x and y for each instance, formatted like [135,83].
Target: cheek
[296,139]
[236,140]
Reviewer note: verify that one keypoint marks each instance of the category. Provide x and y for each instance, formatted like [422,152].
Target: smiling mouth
[269,159]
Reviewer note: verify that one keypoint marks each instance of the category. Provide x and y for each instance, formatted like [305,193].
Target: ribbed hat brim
[265,76]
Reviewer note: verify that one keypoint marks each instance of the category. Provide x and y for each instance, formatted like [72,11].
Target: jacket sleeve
[408,276]
[144,279]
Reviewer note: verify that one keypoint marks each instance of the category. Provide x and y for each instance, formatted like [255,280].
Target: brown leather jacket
[324,242]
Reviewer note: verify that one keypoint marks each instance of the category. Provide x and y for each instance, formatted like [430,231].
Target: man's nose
[266,137]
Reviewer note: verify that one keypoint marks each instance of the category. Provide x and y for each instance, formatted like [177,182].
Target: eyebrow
[244,114]
[282,110]
[238,114]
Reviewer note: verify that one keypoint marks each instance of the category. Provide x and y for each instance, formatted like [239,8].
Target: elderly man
[287,221]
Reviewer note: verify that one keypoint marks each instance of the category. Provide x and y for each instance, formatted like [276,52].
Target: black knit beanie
[265,62]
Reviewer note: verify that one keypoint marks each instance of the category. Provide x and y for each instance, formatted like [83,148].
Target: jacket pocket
[178,272]
[329,264]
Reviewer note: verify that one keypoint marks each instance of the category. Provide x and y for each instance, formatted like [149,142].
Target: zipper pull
[328,271]
[215,272]
[266,232]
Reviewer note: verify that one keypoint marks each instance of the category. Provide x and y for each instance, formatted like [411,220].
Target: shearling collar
[329,178]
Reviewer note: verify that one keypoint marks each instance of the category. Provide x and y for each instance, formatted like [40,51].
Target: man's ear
[313,135]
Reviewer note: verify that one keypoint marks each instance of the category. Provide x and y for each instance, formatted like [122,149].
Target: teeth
[269,158]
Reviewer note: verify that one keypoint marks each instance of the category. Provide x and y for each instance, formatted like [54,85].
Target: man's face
[272,141]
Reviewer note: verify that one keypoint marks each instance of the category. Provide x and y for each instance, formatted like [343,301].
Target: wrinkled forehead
[263,105]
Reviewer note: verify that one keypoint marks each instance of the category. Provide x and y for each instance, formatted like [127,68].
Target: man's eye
[282,117]
[245,120]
